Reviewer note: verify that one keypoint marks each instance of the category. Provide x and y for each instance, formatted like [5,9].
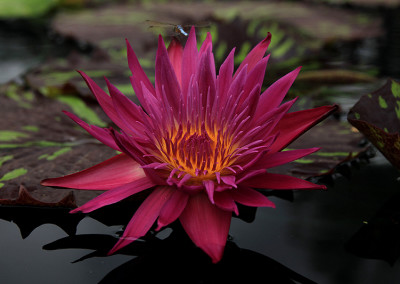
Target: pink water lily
[200,142]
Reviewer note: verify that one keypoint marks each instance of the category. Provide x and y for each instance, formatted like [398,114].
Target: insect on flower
[177,31]
[200,142]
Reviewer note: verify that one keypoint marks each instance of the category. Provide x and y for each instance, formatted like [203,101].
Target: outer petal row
[115,195]
[293,124]
[144,217]
[278,181]
[206,225]
[111,173]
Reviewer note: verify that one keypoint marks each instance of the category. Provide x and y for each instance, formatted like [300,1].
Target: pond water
[305,240]
[324,237]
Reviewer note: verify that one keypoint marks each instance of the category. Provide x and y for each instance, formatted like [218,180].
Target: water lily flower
[200,142]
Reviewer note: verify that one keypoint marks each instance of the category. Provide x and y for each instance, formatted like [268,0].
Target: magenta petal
[255,55]
[225,201]
[207,225]
[207,44]
[175,53]
[280,158]
[305,119]
[139,76]
[251,100]
[250,197]
[255,77]
[131,148]
[101,134]
[230,180]
[173,208]
[115,195]
[275,114]
[206,78]
[144,217]
[104,100]
[209,185]
[277,181]
[166,80]
[189,61]
[224,79]
[128,111]
[273,96]
[114,172]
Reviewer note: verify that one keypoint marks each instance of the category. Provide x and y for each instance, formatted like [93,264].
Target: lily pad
[59,79]
[26,8]
[40,141]
[39,213]
[377,116]
[339,144]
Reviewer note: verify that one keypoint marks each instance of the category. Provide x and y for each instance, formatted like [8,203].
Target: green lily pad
[26,8]
[377,116]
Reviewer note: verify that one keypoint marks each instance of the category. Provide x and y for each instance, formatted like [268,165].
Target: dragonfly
[176,30]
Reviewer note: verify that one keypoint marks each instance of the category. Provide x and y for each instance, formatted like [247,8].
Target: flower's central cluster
[200,154]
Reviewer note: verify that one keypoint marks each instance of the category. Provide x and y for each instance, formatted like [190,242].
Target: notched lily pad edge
[25,199]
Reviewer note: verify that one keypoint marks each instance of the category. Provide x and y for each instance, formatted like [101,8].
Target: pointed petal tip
[113,250]
[159,226]
[160,40]
[128,45]
[73,211]
[216,254]
[45,182]
[267,39]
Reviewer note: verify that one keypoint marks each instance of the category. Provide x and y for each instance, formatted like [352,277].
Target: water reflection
[305,235]
[29,218]
[379,237]
[175,258]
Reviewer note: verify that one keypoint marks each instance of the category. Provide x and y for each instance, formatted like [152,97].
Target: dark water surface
[307,239]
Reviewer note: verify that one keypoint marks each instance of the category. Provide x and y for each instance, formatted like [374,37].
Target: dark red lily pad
[25,198]
[339,144]
[377,116]
[37,141]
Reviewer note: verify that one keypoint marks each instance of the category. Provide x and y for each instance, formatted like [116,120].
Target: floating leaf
[26,8]
[25,198]
[338,76]
[340,146]
[39,213]
[377,116]
[30,158]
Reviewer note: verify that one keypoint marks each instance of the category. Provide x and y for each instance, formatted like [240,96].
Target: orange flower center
[197,152]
